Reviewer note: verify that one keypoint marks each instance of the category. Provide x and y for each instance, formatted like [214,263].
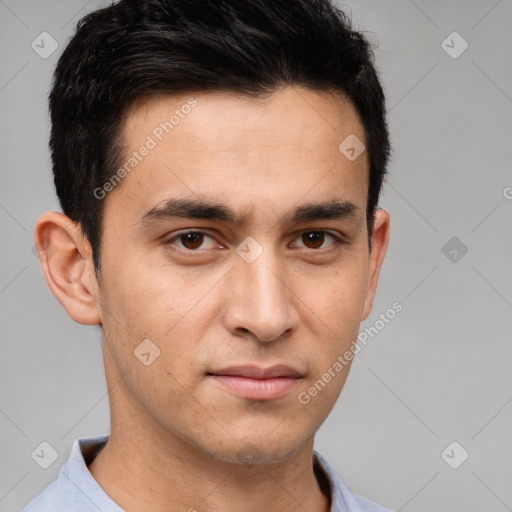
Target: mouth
[257,383]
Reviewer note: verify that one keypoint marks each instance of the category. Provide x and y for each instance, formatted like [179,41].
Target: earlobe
[380,241]
[66,259]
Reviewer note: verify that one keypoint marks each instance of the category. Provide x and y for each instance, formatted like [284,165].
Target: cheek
[147,297]
[336,307]
[143,301]
[339,298]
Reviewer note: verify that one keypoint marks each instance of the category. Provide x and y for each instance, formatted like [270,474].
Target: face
[236,247]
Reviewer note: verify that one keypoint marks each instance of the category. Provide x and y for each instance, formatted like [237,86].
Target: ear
[379,245]
[66,259]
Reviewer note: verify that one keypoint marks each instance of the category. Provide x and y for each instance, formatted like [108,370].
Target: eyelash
[190,252]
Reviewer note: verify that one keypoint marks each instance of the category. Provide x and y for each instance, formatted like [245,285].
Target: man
[219,165]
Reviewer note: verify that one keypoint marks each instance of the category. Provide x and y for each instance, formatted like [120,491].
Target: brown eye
[315,239]
[191,240]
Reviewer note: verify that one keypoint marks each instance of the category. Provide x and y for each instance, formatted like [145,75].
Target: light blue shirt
[75,489]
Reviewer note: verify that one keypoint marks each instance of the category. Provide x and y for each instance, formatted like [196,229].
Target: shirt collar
[342,499]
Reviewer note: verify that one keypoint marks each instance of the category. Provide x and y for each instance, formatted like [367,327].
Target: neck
[141,474]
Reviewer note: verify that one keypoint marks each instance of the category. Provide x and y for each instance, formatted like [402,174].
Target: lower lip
[256,389]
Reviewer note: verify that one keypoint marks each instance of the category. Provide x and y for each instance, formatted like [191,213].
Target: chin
[252,451]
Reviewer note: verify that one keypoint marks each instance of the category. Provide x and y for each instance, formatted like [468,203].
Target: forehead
[289,115]
[245,151]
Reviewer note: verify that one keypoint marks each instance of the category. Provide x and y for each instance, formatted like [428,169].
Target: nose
[260,301]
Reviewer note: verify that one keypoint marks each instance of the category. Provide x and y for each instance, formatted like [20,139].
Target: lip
[257,372]
[257,383]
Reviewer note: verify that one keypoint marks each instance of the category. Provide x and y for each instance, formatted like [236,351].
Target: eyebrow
[180,208]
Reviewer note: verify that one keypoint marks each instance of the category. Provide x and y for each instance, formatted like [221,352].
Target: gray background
[439,372]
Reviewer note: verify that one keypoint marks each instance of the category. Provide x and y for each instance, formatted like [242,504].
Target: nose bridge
[260,301]
[265,282]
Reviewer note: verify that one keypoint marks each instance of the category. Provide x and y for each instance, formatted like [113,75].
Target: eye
[315,239]
[190,240]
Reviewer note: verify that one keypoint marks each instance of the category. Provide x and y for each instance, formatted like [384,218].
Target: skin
[178,439]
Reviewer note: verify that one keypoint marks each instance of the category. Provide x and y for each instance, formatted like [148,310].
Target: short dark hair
[135,49]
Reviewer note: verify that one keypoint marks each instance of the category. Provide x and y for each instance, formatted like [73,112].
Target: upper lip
[257,372]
